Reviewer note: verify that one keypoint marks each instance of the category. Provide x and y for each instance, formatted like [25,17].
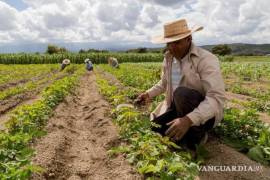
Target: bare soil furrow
[79,136]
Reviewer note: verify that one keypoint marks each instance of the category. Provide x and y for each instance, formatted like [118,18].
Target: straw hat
[86,60]
[174,31]
[66,61]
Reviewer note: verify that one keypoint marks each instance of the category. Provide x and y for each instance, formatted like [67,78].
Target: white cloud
[133,21]
[149,17]
[119,16]
[230,21]
[5,37]
[169,3]
[8,17]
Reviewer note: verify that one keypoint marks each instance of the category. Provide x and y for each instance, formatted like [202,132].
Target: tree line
[221,50]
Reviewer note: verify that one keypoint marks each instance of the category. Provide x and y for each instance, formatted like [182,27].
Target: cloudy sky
[131,21]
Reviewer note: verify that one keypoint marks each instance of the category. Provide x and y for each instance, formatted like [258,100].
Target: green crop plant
[25,124]
[153,155]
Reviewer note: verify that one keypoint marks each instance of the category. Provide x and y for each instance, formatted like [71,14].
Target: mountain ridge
[237,48]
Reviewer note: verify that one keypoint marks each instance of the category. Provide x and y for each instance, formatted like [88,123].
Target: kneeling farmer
[64,64]
[193,86]
[113,62]
[88,64]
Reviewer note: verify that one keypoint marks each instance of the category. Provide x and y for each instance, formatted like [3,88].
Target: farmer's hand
[142,98]
[178,128]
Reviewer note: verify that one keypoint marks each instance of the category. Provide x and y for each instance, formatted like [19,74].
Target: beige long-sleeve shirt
[200,71]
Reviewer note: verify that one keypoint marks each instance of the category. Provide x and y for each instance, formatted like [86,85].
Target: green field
[247,82]
[252,58]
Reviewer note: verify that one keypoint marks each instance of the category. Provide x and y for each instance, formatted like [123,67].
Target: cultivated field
[69,125]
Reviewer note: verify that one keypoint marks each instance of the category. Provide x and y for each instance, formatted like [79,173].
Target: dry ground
[79,136]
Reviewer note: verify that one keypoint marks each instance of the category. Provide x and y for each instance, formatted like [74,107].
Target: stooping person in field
[193,85]
[88,65]
[112,61]
[64,64]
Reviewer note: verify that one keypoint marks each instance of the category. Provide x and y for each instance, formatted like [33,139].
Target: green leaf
[266,150]
[201,153]
[256,153]
[237,144]
[148,169]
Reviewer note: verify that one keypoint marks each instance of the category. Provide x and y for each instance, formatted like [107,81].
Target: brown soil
[230,96]
[12,84]
[263,86]
[79,136]
[264,117]
[223,155]
[23,81]
[8,104]
[20,99]
[13,101]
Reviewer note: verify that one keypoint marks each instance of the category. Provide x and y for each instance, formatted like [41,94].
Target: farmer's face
[179,48]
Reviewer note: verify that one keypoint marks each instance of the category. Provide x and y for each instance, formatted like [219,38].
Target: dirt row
[13,84]
[243,98]
[23,81]
[27,97]
[79,136]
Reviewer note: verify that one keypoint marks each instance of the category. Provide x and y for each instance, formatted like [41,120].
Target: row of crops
[241,128]
[153,155]
[97,58]
[22,73]
[250,79]
[26,122]
[24,78]
[247,71]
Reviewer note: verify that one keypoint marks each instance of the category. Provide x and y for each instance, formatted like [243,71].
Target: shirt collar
[193,49]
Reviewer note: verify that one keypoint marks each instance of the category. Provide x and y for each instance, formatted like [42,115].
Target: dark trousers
[185,100]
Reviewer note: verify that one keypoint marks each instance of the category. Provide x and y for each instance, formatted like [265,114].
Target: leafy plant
[153,155]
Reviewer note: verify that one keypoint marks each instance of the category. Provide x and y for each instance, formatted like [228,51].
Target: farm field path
[79,135]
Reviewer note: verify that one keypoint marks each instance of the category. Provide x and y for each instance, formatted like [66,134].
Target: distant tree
[92,50]
[104,51]
[97,50]
[51,49]
[63,50]
[82,51]
[222,49]
[137,50]
[142,50]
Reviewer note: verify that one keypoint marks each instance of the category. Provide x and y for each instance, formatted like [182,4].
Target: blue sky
[18,4]
[131,22]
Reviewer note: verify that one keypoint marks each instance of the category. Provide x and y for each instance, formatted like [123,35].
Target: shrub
[226,58]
